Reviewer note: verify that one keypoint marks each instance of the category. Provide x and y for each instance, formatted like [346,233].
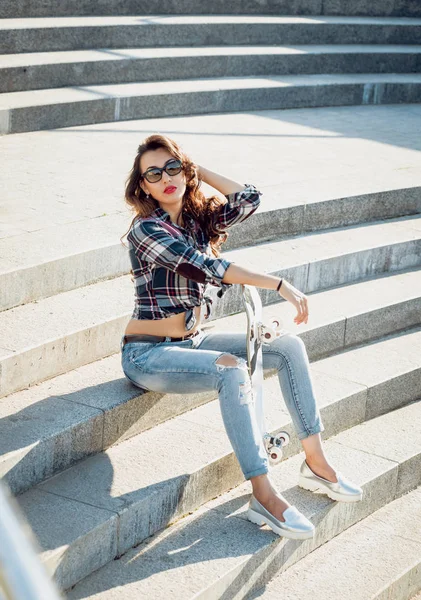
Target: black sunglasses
[154,174]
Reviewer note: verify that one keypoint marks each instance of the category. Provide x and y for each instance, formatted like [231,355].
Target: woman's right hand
[298,299]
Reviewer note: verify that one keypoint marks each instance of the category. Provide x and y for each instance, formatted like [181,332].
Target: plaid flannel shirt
[172,265]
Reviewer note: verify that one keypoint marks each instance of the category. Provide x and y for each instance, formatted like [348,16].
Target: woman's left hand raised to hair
[224,185]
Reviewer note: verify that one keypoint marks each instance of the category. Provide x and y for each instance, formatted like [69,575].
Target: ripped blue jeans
[190,366]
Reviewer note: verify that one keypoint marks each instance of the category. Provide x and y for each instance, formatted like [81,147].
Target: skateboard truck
[274,444]
[268,334]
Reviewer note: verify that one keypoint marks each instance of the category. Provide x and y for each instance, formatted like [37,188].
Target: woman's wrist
[224,185]
[201,173]
[284,288]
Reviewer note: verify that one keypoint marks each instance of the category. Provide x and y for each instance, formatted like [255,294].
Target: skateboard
[257,333]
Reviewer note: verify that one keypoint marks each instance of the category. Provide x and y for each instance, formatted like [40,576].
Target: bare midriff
[172,326]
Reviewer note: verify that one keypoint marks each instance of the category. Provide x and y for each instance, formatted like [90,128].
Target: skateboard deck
[253,307]
[257,332]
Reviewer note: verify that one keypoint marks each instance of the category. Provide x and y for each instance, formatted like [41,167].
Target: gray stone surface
[390,446]
[345,211]
[64,107]
[28,361]
[362,366]
[341,267]
[34,445]
[74,538]
[97,407]
[48,270]
[62,257]
[237,570]
[71,227]
[149,481]
[376,558]
[54,339]
[77,33]
[40,70]
[50,8]
[143,506]
[381,322]
[151,489]
[334,259]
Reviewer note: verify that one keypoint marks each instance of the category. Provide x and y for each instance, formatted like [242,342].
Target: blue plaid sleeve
[153,243]
[239,207]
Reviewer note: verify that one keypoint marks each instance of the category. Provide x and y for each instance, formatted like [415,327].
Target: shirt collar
[160,213]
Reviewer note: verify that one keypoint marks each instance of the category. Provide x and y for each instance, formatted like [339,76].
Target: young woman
[174,247]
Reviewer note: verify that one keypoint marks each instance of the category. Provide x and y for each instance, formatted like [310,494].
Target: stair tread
[16,100]
[120,54]
[128,479]
[344,302]
[351,561]
[302,173]
[84,21]
[62,240]
[97,390]
[362,561]
[351,454]
[205,423]
[93,229]
[49,318]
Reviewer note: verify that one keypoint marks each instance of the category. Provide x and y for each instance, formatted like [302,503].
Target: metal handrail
[22,574]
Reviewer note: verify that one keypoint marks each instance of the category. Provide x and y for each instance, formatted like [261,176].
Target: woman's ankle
[264,491]
[262,486]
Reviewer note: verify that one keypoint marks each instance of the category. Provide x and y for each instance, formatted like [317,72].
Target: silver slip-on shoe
[343,489]
[296,525]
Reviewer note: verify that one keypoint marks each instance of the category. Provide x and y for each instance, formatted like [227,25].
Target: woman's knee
[286,348]
[234,368]
[288,342]
[229,360]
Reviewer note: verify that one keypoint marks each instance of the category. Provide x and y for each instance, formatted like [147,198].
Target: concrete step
[64,107]
[81,33]
[354,166]
[106,504]
[339,256]
[70,255]
[94,67]
[378,557]
[98,407]
[52,8]
[43,339]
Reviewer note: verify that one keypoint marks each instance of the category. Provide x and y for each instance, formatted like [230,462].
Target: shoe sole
[312,487]
[259,519]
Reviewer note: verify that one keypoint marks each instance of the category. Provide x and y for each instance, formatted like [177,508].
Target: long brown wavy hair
[195,204]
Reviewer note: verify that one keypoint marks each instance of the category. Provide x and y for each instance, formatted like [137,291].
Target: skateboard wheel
[275,453]
[283,437]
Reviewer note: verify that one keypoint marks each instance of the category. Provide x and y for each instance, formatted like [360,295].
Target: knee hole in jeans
[229,361]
